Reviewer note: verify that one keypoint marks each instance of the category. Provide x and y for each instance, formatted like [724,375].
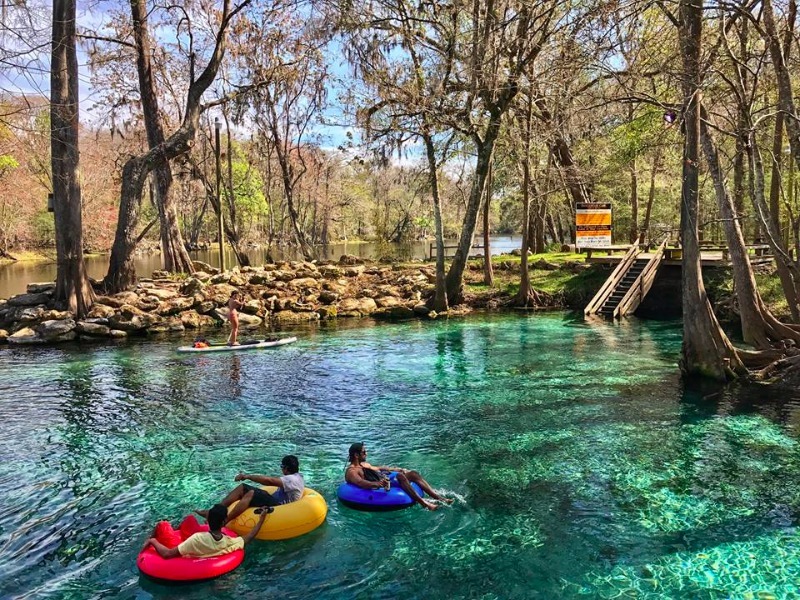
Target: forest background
[543,104]
[602,93]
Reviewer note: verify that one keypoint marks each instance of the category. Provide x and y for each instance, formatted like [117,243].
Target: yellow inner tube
[287,520]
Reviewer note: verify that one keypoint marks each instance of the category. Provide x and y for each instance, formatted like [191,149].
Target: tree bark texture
[759,326]
[174,255]
[488,273]
[706,350]
[121,273]
[73,288]
[485,150]
[440,296]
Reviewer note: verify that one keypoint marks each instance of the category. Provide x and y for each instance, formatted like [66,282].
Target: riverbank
[281,294]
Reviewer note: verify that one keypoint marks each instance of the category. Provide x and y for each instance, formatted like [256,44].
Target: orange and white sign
[593,224]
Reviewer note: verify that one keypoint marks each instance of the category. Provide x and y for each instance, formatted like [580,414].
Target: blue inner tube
[377,500]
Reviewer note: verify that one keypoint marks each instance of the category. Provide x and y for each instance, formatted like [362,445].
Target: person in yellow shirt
[209,543]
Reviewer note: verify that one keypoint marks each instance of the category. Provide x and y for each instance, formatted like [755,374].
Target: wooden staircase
[626,287]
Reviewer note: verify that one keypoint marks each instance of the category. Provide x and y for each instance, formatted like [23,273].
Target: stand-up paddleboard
[245,345]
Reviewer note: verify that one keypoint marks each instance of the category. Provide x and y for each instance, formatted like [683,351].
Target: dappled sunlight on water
[580,464]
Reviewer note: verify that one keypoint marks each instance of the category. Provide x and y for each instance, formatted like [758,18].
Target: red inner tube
[185,568]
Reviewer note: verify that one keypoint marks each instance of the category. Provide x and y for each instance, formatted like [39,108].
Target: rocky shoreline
[275,295]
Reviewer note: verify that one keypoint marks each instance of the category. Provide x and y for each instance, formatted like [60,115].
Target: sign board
[593,224]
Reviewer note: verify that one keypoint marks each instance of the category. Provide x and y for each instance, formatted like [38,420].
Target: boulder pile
[275,294]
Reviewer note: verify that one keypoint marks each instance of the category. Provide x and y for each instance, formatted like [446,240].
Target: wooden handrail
[631,300]
[611,283]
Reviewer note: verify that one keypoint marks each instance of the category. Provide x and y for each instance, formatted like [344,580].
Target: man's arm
[162,550]
[391,469]
[252,533]
[262,479]
[352,476]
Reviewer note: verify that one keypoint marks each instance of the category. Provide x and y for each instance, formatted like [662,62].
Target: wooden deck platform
[709,256]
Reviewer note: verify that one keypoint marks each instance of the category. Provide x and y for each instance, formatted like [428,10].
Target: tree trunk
[121,274]
[488,273]
[706,349]
[72,283]
[651,195]
[787,268]
[485,151]
[634,233]
[232,230]
[440,296]
[759,326]
[174,254]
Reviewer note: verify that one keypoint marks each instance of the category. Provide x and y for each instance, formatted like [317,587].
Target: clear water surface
[581,465]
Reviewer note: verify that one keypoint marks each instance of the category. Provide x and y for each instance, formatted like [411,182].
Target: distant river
[15,277]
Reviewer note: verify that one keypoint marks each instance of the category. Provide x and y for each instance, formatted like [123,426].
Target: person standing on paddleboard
[234,305]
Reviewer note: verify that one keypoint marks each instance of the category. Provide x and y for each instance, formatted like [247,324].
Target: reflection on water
[15,277]
[582,464]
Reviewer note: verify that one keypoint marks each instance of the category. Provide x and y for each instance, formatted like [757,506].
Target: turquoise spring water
[581,466]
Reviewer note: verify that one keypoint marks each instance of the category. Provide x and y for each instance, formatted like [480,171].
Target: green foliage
[7,164]
[248,189]
[44,227]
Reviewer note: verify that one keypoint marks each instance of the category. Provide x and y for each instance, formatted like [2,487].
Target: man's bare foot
[202,513]
[446,500]
[430,505]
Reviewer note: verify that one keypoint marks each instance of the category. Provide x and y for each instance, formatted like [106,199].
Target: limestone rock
[202,276]
[53,330]
[349,259]
[192,286]
[29,299]
[348,307]
[388,302]
[191,319]
[26,335]
[249,321]
[396,312]
[163,294]
[159,274]
[282,275]
[260,279]
[330,271]
[328,297]
[117,333]
[245,321]
[174,306]
[327,312]
[100,311]
[171,324]
[354,271]
[219,293]
[224,277]
[25,314]
[253,307]
[422,309]
[199,265]
[304,283]
[92,328]
[148,303]
[131,318]
[237,280]
[47,287]
[119,300]
[367,306]
[288,316]
[3,336]
[205,307]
